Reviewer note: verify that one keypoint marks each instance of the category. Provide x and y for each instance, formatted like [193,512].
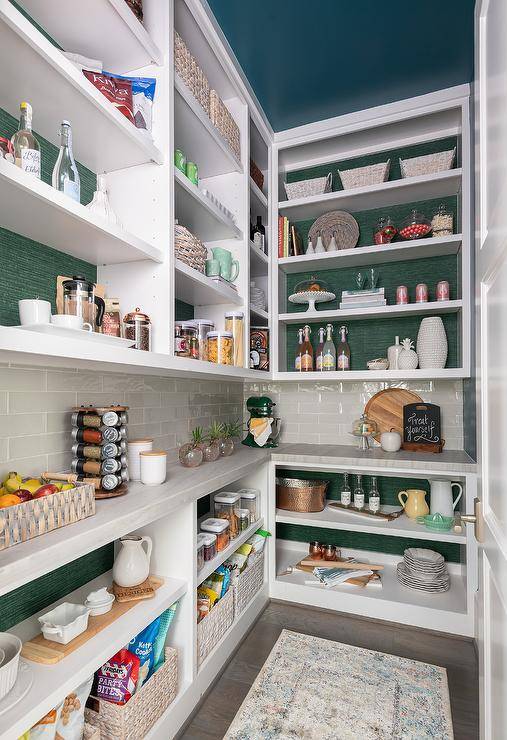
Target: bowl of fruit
[17,490]
[415,226]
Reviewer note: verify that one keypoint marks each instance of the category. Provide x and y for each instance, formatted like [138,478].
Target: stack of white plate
[423,570]
[257,298]
[134,447]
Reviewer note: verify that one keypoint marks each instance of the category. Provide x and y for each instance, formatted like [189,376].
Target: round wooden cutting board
[386,408]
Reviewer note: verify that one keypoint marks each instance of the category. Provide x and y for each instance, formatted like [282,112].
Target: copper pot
[293,494]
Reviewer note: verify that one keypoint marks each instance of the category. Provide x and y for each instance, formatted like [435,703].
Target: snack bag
[158,648]
[70,723]
[118,90]
[257,540]
[216,583]
[143,93]
[116,680]
[226,573]
[142,645]
[45,728]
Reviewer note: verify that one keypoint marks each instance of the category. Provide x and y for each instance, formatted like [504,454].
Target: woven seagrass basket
[428,164]
[189,249]
[360,177]
[293,494]
[305,188]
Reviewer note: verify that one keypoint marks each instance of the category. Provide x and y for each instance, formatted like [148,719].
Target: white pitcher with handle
[132,564]
[441,501]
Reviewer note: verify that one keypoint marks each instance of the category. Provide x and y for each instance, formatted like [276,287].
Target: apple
[46,490]
[24,495]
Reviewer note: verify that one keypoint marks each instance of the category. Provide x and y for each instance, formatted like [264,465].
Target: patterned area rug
[315,688]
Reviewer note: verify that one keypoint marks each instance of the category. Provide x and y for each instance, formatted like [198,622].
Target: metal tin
[192,172]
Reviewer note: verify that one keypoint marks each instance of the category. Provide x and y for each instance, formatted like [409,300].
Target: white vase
[432,343]
[132,564]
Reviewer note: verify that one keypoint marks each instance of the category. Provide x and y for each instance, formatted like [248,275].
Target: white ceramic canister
[34,311]
[153,467]
[134,448]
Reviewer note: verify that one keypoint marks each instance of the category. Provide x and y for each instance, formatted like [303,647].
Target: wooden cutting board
[48,652]
[386,408]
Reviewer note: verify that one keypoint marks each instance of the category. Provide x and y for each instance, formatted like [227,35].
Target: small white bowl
[97,609]
[11,647]
[65,622]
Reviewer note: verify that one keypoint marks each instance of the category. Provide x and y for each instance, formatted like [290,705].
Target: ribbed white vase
[432,343]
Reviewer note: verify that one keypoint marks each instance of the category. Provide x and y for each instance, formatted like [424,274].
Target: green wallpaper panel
[183,311]
[394,154]
[44,591]
[364,540]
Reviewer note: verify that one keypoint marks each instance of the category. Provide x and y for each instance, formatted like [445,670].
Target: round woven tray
[341,222]
[293,494]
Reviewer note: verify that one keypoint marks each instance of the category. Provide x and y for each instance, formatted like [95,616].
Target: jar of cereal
[220,347]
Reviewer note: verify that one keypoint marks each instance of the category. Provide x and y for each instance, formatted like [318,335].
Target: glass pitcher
[79,299]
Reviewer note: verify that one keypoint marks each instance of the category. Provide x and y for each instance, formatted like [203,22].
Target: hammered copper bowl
[293,494]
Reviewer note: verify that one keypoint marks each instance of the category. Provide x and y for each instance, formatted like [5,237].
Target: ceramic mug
[229,268]
[153,467]
[212,268]
[34,311]
[69,321]
[415,502]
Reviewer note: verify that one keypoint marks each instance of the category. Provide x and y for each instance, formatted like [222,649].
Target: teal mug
[212,268]
[229,268]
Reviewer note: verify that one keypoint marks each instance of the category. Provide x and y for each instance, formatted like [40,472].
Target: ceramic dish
[65,622]
[20,689]
[381,363]
[11,647]
[312,297]
[99,602]
[436,522]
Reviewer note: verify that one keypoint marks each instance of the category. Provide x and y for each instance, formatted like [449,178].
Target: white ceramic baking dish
[65,622]
[11,647]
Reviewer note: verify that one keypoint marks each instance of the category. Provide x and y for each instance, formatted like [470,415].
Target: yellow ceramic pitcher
[415,504]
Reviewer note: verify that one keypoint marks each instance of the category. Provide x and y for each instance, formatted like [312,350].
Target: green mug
[229,268]
[212,268]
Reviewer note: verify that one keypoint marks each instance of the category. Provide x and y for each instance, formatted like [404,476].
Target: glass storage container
[415,226]
[234,322]
[200,551]
[220,347]
[137,327]
[210,545]
[243,519]
[203,326]
[220,528]
[313,285]
[384,231]
[250,499]
[364,428]
[442,221]
[187,343]
[225,508]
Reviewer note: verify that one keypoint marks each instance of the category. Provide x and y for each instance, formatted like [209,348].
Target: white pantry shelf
[259,261]
[395,192]
[53,682]
[103,138]
[259,313]
[199,214]
[34,209]
[373,254]
[211,565]
[198,138]
[379,312]
[195,288]
[258,195]
[331,518]
[446,373]
[100,29]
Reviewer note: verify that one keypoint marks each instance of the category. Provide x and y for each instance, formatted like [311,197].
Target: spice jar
[234,322]
[225,508]
[250,498]
[315,550]
[243,519]
[220,528]
[203,326]
[137,327]
[220,347]
[200,551]
[442,221]
[210,545]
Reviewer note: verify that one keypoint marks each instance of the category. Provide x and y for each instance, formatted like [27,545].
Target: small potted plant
[211,447]
[191,453]
[230,431]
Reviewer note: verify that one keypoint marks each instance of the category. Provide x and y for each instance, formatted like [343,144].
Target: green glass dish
[436,522]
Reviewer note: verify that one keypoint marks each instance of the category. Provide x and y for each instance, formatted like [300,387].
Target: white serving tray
[81,334]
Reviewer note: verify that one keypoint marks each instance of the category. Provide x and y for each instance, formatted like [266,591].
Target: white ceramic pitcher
[132,564]
[441,501]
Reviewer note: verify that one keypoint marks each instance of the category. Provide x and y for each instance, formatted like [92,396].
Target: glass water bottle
[65,175]
[26,146]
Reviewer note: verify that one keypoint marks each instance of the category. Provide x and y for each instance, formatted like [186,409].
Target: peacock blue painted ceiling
[308,60]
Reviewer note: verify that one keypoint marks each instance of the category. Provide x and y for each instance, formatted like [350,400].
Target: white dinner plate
[21,687]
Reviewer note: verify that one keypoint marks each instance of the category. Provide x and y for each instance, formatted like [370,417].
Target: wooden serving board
[360,581]
[386,408]
[48,652]
[345,564]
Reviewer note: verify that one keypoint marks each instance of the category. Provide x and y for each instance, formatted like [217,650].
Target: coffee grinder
[260,409]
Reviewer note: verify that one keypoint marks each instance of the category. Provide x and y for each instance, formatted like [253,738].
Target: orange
[9,499]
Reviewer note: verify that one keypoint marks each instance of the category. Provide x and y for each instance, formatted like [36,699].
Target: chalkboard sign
[421,427]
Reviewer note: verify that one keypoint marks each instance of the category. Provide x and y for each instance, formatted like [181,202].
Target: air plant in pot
[211,447]
[191,453]
[230,431]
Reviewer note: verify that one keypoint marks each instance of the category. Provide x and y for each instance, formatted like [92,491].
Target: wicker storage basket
[305,188]
[222,119]
[136,6]
[133,720]
[372,174]
[213,627]
[90,732]
[30,519]
[293,494]
[247,585]
[189,249]
[187,67]
[256,175]
[428,164]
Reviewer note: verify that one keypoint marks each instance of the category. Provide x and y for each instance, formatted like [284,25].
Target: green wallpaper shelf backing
[183,311]
[44,591]
[394,155]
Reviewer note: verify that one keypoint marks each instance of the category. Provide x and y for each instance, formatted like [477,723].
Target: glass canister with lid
[203,326]
[187,343]
[234,322]
[200,551]
[442,221]
[218,527]
[209,542]
[220,347]
[226,504]
[137,327]
[250,499]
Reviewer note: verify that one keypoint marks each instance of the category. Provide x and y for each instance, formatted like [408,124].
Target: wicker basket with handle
[134,719]
[189,249]
[247,585]
[360,177]
[293,494]
[213,627]
[305,188]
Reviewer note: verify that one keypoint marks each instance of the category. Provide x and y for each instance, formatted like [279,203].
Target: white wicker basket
[247,585]
[189,248]
[90,732]
[213,627]
[428,164]
[360,177]
[133,720]
[305,188]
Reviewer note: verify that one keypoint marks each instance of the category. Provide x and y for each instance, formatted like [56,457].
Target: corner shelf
[199,214]
[379,312]
[260,314]
[395,192]
[212,565]
[373,255]
[259,261]
[258,195]
[104,139]
[195,288]
[99,29]
[198,137]
[34,209]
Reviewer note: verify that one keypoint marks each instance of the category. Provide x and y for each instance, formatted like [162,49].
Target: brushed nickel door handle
[476,519]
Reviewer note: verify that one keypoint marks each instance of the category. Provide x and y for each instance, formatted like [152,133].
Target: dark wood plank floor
[457,655]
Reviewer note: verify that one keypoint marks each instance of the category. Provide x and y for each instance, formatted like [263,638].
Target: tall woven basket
[222,119]
[213,627]
[293,494]
[189,249]
[133,720]
[247,585]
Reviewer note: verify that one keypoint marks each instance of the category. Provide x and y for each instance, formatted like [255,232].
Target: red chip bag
[116,680]
[115,89]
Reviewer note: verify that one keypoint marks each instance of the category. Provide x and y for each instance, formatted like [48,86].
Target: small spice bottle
[210,545]
[219,527]
[243,519]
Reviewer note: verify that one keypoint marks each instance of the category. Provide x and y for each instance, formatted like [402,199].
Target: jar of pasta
[203,326]
[234,322]
[220,347]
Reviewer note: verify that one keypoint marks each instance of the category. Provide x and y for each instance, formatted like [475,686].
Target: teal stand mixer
[260,409]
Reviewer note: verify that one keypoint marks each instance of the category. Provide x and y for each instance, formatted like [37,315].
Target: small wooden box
[30,519]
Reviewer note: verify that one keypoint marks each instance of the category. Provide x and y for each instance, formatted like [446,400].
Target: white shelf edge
[183,182]
[224,292]
[258,253]
[222,556]
[260,313]
[258,194]
[374,375]
[414,309]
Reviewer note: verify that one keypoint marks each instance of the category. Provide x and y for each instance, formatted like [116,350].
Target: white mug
[153,467]
[34,311]
[69,321]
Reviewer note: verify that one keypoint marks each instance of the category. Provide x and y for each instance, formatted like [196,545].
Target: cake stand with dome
[312,291]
